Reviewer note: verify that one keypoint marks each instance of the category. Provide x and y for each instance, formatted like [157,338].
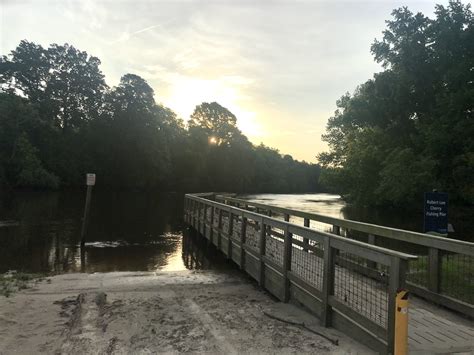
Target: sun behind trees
[410,128]
[59,120]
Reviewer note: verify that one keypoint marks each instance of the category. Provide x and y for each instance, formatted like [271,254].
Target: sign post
[436,213]
[90,182]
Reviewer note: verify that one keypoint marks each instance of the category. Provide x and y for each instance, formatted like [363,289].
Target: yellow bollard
[401,323]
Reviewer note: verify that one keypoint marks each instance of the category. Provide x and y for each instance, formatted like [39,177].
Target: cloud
[279,66]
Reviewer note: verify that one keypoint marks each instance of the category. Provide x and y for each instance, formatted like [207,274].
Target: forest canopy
[59,120]
[409,129]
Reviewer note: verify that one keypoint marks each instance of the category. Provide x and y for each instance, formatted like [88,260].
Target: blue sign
[436,213]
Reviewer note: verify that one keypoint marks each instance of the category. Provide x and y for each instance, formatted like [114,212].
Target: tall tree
[409,129]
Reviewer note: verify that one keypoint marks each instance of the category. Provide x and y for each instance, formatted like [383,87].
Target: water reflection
[128,231]
[200,254]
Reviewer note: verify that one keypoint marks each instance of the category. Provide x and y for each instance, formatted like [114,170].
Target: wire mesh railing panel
[366,295]
[274,246]
[236,228]
[225,222]
[457,276]
[252,235]
[308,266]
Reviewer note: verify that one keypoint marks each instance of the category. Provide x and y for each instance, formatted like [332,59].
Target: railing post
[269,227]
[328,281]
[262,241]
[185,209]
[336,230]
[243,231]
[199,217]
[219,227]
[229,235]
[398,269]
[306,240]
[434,269]
[211,231]
[204,221]
[288,246]
[371,241]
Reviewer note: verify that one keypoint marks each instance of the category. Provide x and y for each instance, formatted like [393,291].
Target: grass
[13,281]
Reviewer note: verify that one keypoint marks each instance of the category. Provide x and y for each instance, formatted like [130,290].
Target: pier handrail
[428,240]
[349,284]
[431,276]
[308,232]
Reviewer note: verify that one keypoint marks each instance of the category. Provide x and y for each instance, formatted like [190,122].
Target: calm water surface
[128,231]
[136,231]
[332,205]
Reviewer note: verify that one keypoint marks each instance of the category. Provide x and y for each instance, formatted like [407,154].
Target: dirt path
[168,312]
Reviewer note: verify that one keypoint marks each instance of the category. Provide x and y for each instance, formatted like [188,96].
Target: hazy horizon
[278,66]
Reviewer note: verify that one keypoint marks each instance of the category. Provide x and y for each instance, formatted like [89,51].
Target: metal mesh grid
[252,235]
[367,296]
[225,222]
[308,266]
[457,276]
[274,247]
[236,228]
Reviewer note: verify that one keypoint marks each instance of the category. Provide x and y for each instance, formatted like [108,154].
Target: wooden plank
[263,232]
[272,264]
[358,333]
[274,282]
[287,263]
[434,270]
[306,223]
[393,286]
[219,228]
[229,234]
[298,281]
[328,282]
[358,318]
[305,298]
[443,300]
[243,231]
[252,266]
[211,232]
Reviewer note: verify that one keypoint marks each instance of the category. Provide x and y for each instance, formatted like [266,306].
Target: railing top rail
[307,231]
[428,240]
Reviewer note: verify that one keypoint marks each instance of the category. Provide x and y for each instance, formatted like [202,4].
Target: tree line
[59,119]
[409,129]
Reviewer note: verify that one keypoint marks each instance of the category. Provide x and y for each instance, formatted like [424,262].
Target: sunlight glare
[188,92]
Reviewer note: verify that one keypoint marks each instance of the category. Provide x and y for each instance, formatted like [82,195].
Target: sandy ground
[165,312]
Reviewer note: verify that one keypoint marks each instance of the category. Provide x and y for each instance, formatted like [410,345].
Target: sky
[279,66]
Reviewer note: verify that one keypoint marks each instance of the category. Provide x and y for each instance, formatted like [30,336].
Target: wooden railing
[331,275]
[443,273]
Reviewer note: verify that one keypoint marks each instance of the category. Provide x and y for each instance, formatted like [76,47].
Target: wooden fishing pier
[350,274]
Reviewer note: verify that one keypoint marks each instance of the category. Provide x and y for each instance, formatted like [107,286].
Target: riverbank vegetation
[59,120]
[410,128]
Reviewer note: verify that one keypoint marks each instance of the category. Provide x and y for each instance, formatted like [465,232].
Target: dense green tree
[409,129]
[215,122]
[59,120]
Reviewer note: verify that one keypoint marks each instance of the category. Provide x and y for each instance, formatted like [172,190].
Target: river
[138,231]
